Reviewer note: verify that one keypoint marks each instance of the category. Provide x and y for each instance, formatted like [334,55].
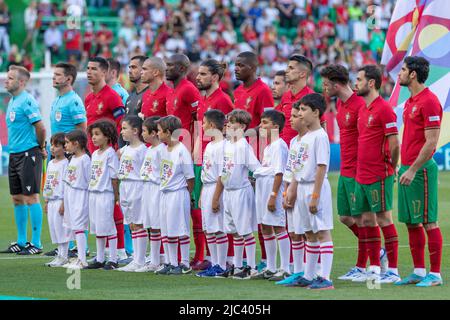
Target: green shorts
[418,202]
[375,197]
[346,197]
[197,185]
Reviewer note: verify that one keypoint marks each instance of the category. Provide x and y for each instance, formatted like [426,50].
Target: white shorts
[130,201]
[290,220]
[212,221]
[58,232]
[150,205]
[175,213]
[101,213]
[304,220]
[239,211]
[76,208]
[264,186]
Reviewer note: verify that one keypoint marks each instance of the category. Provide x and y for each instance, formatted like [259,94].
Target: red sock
[118,218]
[199,236]
[374,245]
[363,255]
[208,254]
[417,242]
[261,243]
[354,229]
[230,252]
[391,244]
[179,251]
[291,256]
[161,249]
[435,249]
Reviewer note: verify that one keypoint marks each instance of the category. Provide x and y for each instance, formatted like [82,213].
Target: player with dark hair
[112,79]
[279,87]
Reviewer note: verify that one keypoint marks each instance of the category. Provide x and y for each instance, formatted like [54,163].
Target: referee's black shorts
[24,172]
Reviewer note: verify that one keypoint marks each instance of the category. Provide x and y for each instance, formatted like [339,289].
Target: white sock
[101,245]
[81,245]
[271,251]
[298,252]
[113,251]
[250,248]
[421,272]
[172,246]
[165,243]
[326,258]
[155,246]
[238,252]
[185,245]
[312,256]
[141,249]
[285,245]
[134,241]
[222,249]
[393,270]
[212,246]
[436,274]
[63,250]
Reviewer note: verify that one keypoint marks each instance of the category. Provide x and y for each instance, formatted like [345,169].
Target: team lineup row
[368,138]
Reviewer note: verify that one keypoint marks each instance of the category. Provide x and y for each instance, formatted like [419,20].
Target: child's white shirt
[104,168]
[274,159]
[131,160]
[293,160]
[238,159]
[176,168]
[54,186]
[212,161]
[150,170]
[314,150]
[78,172]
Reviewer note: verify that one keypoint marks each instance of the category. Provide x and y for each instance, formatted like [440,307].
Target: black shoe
[246,273]
[96,265]
[73,253]
[111,265]
[13,248]
[29,250]
[52,253]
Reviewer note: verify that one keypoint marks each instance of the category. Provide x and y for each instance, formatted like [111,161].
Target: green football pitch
[28,277]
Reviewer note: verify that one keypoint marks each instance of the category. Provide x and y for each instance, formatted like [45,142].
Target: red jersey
[375,123]
[105,104]
[347,119]
[285,107]
[72,38]
[420,113]
[183,102]
[218,100]
[254,99]
[155,103]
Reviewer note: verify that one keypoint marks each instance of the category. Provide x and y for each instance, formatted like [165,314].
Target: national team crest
[155,105]
[58,116]
[175,102]
[100,108]
[12,116]
[369,121]
[247,102]
[413,111]
[347,117]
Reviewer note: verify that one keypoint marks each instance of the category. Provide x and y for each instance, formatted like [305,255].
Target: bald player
[154,100]
[134,102]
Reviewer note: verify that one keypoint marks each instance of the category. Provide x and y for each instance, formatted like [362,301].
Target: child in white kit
[150,174]
[76,194]
[213,123]
[238,196]
[131,160]
[313,212]
[53,194]
[104,192]
[177,183]
[269,196]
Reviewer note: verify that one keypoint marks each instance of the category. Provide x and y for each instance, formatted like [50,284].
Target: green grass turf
[28,277]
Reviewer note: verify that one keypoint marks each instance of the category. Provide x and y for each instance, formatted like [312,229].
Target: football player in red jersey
[279,87]
[104,102]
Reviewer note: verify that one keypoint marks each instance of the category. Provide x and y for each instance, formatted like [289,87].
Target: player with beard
[112,77]
[279,87]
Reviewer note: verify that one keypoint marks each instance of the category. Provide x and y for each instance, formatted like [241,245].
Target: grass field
[28,277]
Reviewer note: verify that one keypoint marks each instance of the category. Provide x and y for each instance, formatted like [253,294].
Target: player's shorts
[375,197]
[212,222]
[240,211]
[418,202]
[59,233]
[76,208]
[197,185]
[175,215]
[130,201]
[264,186]
[290,220]
[304,220]
[24,172]
[150,205]
[346,197]
[101,213]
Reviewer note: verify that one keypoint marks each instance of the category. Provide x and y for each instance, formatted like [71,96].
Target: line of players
[368,138]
